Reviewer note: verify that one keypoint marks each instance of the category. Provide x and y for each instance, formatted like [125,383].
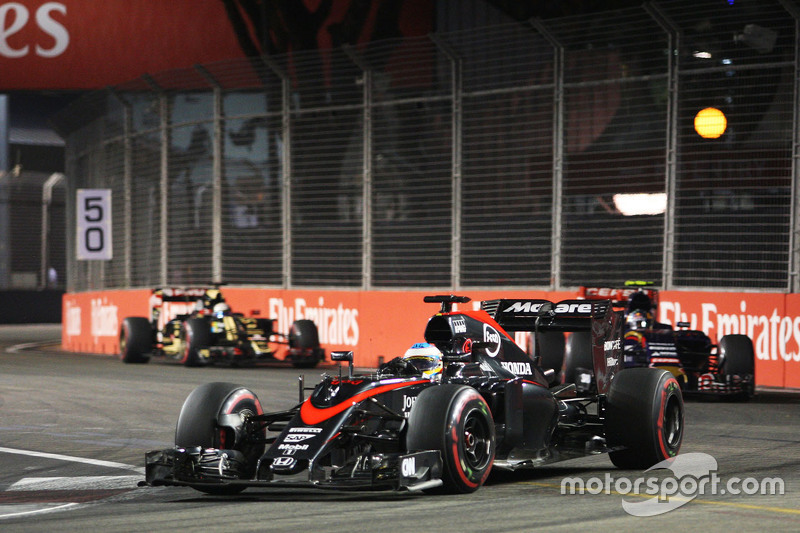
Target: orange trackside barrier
[379,325]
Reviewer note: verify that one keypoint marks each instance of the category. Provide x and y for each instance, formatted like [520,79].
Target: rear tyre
[644,413]
[577,354]
[737,358]
[455,420]
[205,421]
[195,336]
[304,345]
[135,340]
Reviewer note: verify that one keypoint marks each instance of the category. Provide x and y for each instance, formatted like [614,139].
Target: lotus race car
[196,327]
[407,427]
[700,366]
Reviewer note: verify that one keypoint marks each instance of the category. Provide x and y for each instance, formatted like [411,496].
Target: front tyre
[216,415]
[455,420]
[135,340]
[304,348]
[644,413]
[737,362]
[195,336]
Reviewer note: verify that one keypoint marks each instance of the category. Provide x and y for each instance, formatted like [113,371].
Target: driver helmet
[221,309]
[639,320]
[426,358]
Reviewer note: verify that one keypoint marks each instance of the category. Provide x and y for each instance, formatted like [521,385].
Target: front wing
[214,470]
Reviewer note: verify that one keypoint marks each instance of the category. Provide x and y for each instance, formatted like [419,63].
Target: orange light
[710,123]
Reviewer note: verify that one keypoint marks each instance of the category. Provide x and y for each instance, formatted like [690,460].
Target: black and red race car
[701,367]
[194,326]
[492,406]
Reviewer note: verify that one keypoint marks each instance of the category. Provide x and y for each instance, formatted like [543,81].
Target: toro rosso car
[196,327]
[479,402]
[700,366]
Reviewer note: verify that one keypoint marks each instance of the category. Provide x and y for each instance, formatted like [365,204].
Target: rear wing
[597,317]
[532,315]
[180,294]
[619,296]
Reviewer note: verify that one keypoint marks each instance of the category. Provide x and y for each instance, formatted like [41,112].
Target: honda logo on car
[284,461]
[563,308]
[520,369]
[491,336]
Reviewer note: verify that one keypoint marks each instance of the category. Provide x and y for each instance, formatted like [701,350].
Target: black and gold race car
[194,326]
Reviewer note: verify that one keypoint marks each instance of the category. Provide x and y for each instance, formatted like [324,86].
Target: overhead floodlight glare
[701,55]
[710,123]
[641,203]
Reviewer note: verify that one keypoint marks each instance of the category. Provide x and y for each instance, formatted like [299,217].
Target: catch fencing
[539,155]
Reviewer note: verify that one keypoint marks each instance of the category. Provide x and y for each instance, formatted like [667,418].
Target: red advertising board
[85,44]
[91,44]
[382,324]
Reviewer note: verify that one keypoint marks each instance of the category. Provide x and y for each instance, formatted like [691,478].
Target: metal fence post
[366,265]
[456,125]
[127,182]
[47,198]
[794,220]
[558,150]
[286,170]
[671,155]
[163,114]
[216,176]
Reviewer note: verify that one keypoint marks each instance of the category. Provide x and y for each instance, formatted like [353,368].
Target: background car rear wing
[595,316]
[619,296]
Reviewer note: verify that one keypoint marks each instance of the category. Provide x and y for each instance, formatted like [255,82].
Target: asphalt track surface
[74,429]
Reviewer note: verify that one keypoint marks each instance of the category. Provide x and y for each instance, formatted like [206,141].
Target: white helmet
[426,358]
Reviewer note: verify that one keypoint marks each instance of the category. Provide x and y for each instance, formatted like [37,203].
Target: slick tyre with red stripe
[456,421]
[214,415]
[644,414]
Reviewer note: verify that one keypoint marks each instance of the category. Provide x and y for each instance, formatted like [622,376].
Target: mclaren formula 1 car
[196,327]
[405,428]
[700,366]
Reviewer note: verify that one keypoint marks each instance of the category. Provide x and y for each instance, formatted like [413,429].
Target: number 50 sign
[94,224]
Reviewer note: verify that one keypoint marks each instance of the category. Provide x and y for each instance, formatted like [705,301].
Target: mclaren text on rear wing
[530,315]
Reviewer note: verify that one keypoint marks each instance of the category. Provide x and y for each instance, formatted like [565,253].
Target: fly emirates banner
[379,325]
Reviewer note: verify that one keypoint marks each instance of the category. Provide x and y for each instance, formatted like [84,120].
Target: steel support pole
[557,205]
[456,159]
[286,170]
[47,200]
[366,190]
[163,113]
[671,149]
[217,154]
[794,220]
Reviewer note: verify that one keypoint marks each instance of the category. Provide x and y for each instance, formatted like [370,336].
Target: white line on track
[15,511]
[73,459]
[75,483]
